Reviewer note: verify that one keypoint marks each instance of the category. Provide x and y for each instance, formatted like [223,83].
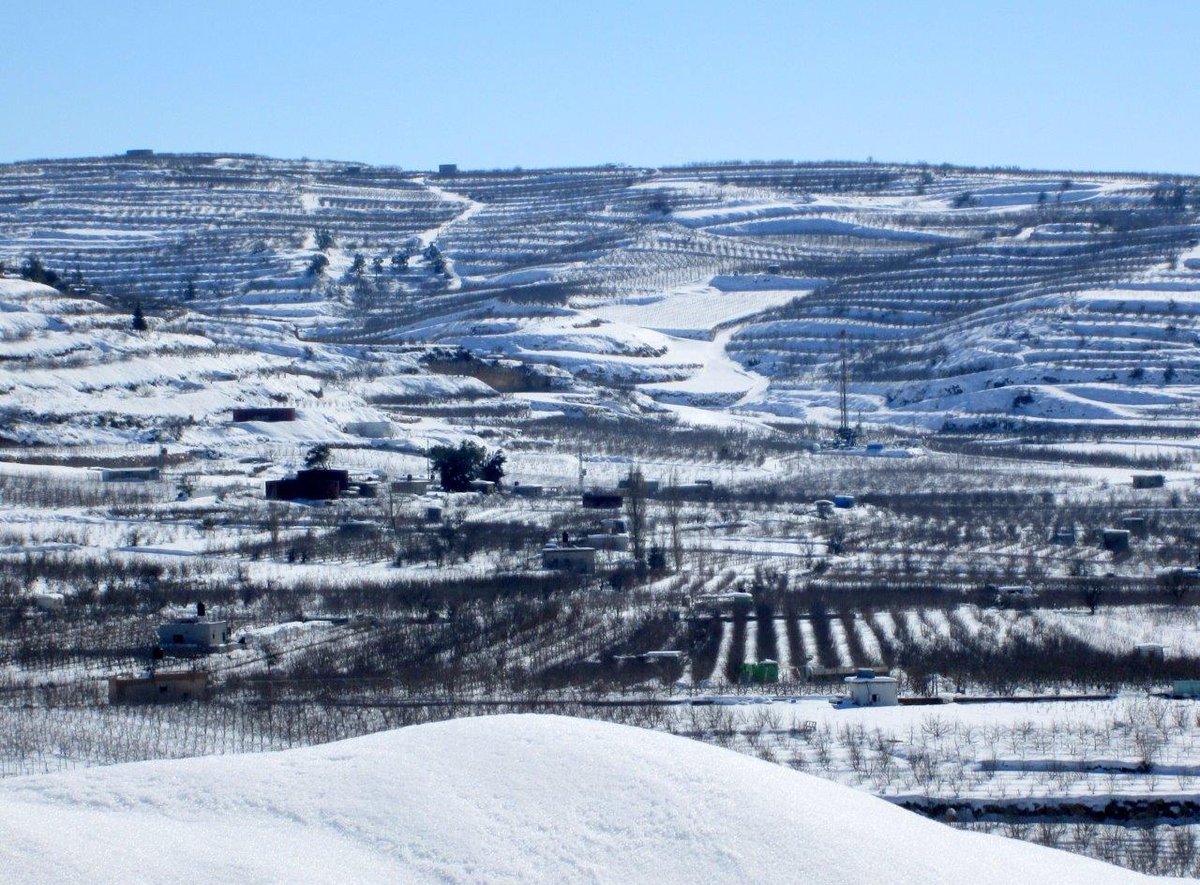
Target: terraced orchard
[967,299]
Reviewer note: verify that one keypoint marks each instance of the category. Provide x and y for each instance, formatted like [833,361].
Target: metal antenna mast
[845,434]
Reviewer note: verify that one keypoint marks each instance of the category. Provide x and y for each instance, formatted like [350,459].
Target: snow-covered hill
[971,297]
[500,799]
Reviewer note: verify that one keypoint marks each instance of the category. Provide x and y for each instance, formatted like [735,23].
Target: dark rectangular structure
[159,688]
[270,413]
[603,500]
[309,485]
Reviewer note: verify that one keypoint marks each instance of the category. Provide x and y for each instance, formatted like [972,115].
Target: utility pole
[845,434]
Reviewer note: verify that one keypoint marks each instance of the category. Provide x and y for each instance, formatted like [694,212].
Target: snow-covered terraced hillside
[966,297]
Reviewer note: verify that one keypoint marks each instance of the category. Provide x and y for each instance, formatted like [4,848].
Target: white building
[371,429]
[868,690]
[49,602]
[410,485]
[581,560]
[129,474]
[193,634]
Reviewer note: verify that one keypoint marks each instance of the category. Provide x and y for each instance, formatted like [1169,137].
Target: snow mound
[499,799]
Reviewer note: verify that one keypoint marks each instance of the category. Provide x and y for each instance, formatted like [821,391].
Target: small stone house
[870,690]
[159,688]
[410,485]
[581,560]
[193,634]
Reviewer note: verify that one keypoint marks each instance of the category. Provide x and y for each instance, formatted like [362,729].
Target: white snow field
[493,799]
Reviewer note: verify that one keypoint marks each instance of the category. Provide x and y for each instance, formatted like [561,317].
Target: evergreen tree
[317,266]
[318,457]
[139,319]
[493,468]
[36,272]
[459,465]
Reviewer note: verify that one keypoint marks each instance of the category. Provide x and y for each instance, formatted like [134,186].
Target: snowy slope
[502,799]
[967,296]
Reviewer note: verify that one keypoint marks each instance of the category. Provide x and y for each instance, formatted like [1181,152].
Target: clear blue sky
[1052,84]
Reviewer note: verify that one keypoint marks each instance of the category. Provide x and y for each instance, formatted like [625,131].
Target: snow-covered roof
[868,676]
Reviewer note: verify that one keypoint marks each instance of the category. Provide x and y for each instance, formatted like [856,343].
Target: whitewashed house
[566,557]
[194,634]
[869,690]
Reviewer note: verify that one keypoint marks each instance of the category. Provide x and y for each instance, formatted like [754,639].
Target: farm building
[526,490]
[607,541]
[447,169]
[1115,540]
[1135,525]
[371,429]
[49,602]
[158,688]
[843,502]
[483,486]
[649,657]
[358,528]
[321,484]
[870,690]
[701,488]
[1064,535]
[266,413]
[193,634]
[1149,480]
[667,655]
[1186,688]
[603,500]
[1178,577]
[410,485]
[824,508]
[139,153]
[129,474]
[1151,651]
[721,603]
[1015,595]
[433,513]
[649,486]
[581,560]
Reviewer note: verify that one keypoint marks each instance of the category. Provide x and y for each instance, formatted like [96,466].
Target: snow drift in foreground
[498,799]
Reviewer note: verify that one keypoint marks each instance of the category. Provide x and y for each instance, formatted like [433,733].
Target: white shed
[371,429]
[569,558]
[49,602]
[869,690]
[193,634]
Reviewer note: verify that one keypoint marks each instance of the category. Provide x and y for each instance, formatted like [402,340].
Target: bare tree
[674,514]
[635,513]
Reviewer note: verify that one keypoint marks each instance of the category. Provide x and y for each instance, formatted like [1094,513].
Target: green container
[1186,688]
[759,674]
